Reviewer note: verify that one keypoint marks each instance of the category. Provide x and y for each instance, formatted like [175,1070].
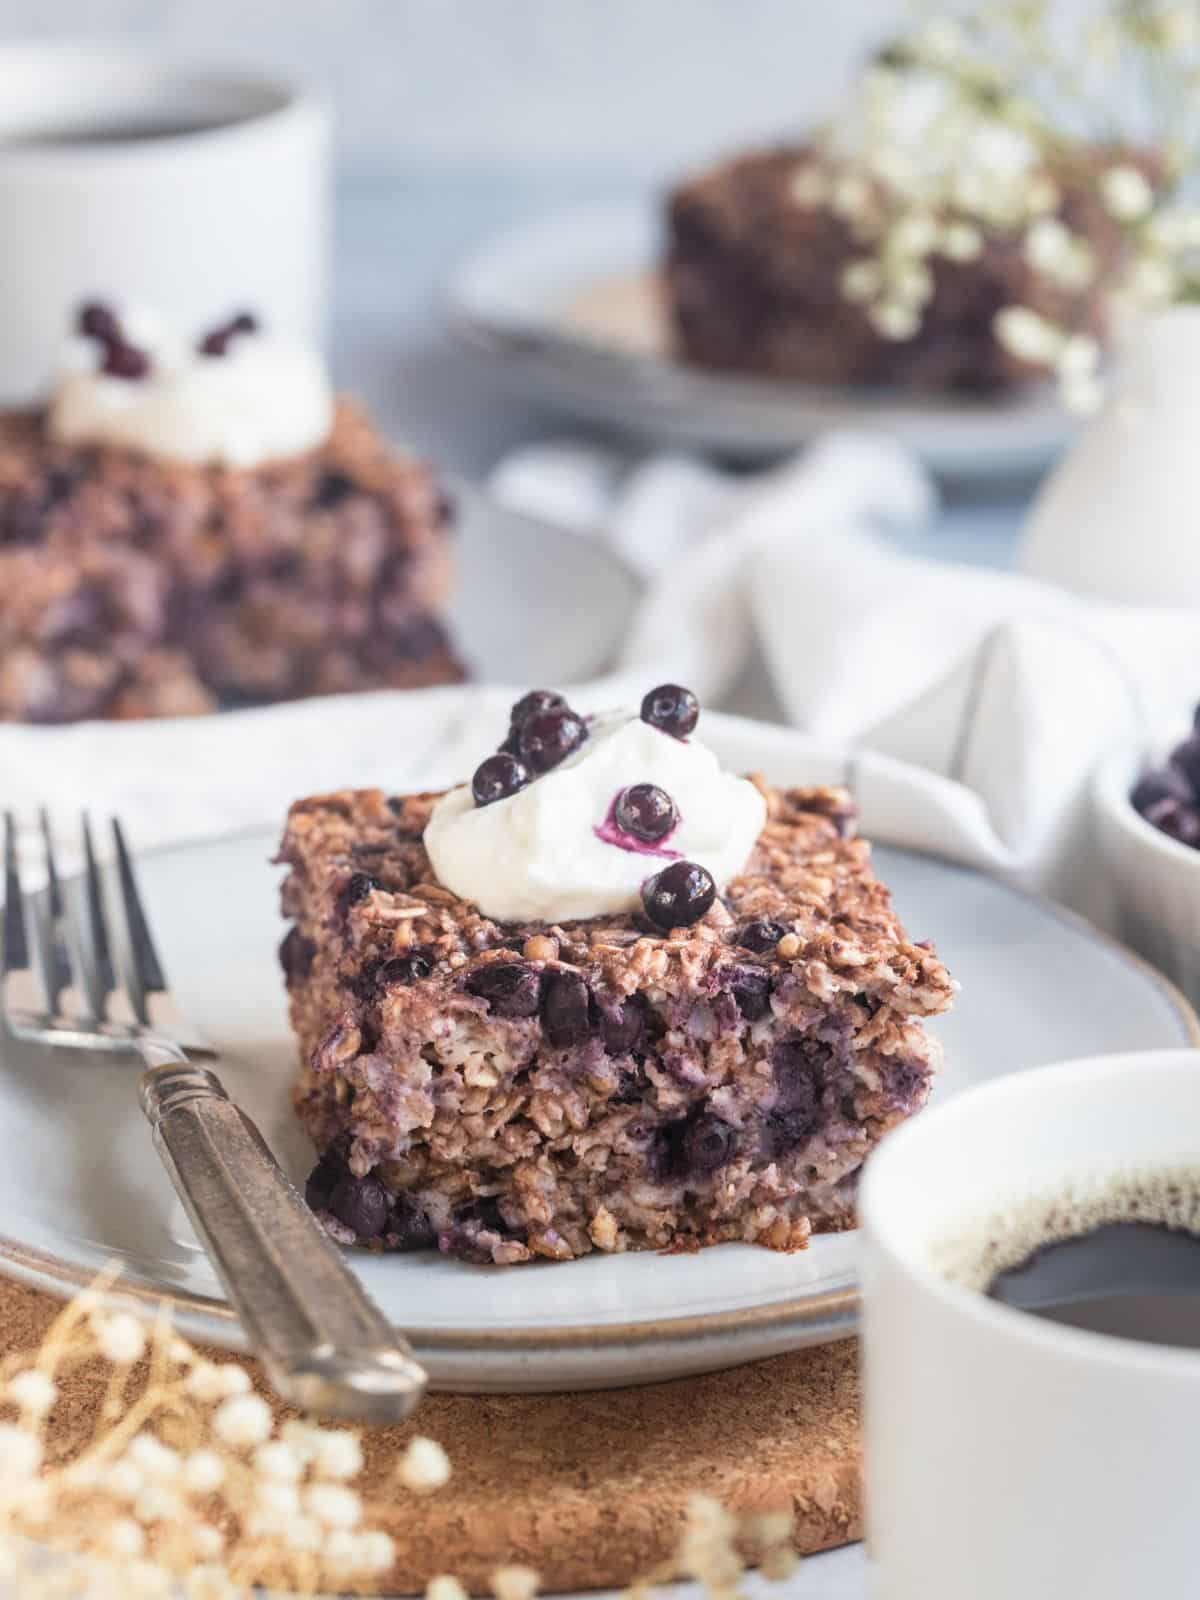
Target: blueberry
[362,1204]
[751,988]
[358,887]
[296,955]
[678,895]
[409,1227]
[707,1143]
[218,341]
[784,1131]
[674,710]
[566,1009]
[796,1066]
[125,361]
[404,969]
[548,737]
[1178,819]
[332,488]
[537,700]
[497,778]
[1185,758]
[646,812]
[760,935]
[1160,784]
[622,1030]
[98,321]
[324,1179]
[511,988]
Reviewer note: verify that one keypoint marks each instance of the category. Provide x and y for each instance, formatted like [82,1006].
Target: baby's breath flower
[1026,335]
[424,1466]
[1047,245]
[203,1472]
[861,280]
[124,1537]
[1151,281]
[515,1583]
[208,1542]
[892,319]
[912,235]
[851,195]
[1042,194]
[941,40]
[155,1459]
[120,1337]
[33,1392]
[210,1381]
[1078,358]
[334,1505]
[278,1460]
[337,1454]
[1126,193]
[1084,395]
[121,1479]
[279,1500]
[444,1587]
[302,1437]
[809,187]
[244,1420]
[20,1453]
[304,1534]
[377,1552]
[211,1582]
[156,1503]
[961,241]
[912,285]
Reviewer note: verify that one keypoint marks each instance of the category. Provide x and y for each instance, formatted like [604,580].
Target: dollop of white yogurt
[263,400]
[538,855]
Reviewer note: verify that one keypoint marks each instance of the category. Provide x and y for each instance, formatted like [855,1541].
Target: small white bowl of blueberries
[1147,812]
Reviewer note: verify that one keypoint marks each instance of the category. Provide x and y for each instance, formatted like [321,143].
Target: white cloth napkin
[1001,691]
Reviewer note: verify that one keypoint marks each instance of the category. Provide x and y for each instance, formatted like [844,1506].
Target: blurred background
[456,118]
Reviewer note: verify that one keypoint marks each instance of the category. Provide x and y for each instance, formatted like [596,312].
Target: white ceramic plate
[568,307]
[80,1184]
[512,570]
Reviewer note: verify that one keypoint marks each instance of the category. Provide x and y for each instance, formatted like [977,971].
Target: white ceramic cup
[1009,1458]
[102,196]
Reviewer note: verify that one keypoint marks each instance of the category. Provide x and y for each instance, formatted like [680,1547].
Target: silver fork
[80,971]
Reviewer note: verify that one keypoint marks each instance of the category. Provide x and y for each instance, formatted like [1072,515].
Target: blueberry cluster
[542,732]
[569,1010]
[120,359]
[221,337]
[1169,796]
[363,1204]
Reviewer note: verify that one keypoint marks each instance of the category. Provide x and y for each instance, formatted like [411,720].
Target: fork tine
[38,982]
[150,975]
[16,946]
[48,909]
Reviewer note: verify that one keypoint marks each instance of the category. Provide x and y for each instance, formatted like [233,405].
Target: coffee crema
[1120,1258]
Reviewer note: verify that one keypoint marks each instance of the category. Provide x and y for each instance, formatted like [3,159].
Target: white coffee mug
[125,178]
[1009,1458]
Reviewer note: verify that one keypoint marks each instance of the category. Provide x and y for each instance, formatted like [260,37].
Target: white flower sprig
[998,120]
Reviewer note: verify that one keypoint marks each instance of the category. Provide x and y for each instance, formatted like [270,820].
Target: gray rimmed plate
[568,308]
[80,1185]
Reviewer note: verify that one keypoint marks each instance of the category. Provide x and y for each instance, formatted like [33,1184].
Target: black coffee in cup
[1121,1258]
[1134,1280]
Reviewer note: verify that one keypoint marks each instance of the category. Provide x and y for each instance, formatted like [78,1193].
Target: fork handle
[324,1344]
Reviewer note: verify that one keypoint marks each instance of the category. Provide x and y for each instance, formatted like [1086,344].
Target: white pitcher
[1119,518]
